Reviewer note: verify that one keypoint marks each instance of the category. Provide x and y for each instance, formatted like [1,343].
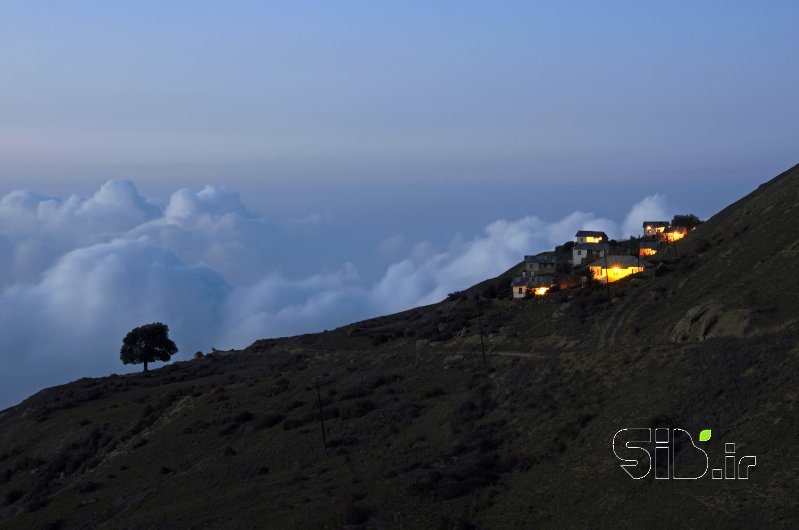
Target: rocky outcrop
[707,321]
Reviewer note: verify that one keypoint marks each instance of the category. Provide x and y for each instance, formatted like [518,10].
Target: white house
[591,236]
[653,228]
[614,268]
[532,285]
[588,251]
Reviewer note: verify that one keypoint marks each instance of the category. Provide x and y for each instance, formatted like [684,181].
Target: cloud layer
[76,274]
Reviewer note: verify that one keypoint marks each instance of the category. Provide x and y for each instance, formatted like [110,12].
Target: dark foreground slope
[422,434]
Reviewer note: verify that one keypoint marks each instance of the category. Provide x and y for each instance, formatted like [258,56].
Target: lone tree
[146,344]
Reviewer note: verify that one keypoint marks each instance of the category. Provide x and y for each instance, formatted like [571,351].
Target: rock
[695,312]
[561,310]
[452,358]
[704,322]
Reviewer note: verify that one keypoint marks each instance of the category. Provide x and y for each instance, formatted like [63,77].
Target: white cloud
[391,247]
[77,273]
[650,208]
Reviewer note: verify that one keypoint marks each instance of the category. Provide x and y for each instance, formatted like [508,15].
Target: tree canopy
[146,344]
[688,220]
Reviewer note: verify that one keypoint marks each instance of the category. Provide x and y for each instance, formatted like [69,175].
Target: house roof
[544,257]
[592,246]
[655,223]
[541,281]
[534,281]
[620,261]
[590,233]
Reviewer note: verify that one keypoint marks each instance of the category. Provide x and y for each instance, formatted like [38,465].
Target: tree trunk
[145,366]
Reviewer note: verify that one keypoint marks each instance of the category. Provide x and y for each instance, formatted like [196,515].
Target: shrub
[295,404]
[360,408]
[268,421]
[11,497]
[229,429]
[356,515]
[436,392]
[87,486]
[290,424]
[243,417]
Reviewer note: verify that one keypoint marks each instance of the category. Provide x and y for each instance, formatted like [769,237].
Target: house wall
[578,256]
[675,235]
[653,230]
[614,274]
[541,267]
[519,292]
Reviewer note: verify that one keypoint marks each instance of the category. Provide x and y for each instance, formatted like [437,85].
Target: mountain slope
[422,433]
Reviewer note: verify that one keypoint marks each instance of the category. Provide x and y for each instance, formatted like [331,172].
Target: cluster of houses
[592,255]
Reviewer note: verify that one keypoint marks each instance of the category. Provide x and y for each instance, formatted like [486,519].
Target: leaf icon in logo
[704,435]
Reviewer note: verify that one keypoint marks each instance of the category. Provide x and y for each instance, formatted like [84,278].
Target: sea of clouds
[77,273]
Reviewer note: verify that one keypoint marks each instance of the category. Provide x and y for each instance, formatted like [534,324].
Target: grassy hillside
[422,433]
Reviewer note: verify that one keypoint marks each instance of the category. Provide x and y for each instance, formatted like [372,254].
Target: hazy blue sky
[374,146]
[420,93]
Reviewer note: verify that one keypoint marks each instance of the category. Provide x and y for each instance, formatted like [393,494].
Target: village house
[654,228]
[588,251]
[524,286]
[590,236]
[614,268]
[675,233]
[545,262]
[519,287]
[648,248]
[546,272]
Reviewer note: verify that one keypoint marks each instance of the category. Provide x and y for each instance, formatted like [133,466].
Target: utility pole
[482,344]
[321,415]
[639,254]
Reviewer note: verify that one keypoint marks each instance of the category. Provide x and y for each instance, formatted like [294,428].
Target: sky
[288,167]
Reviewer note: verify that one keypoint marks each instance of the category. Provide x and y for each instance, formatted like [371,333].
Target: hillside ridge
[422,432]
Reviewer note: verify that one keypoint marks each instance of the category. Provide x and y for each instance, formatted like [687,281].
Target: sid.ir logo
[676,456]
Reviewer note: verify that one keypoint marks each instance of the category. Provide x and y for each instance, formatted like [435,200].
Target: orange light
[675,235]
[541,291]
